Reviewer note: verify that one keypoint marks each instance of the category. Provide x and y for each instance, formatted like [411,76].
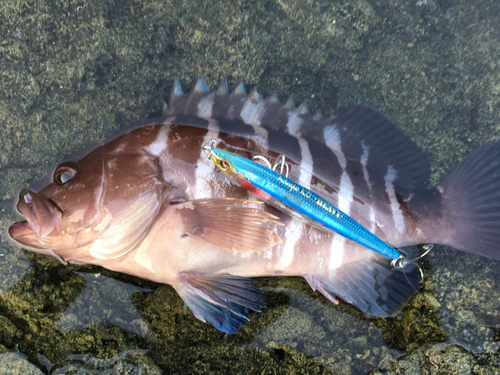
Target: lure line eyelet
[401,262]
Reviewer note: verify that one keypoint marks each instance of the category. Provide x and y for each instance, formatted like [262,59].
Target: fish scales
[152,193]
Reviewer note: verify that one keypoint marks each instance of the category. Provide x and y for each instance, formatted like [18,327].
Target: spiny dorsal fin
[222,89]
[303,108]
[290,103]
[254,96]
[176,92]
[252,108]
[200,87]
[272,100]
[194,103]
[239,90]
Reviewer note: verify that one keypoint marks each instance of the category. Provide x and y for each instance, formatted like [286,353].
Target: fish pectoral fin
[222,300]
[373,286]
[229,224]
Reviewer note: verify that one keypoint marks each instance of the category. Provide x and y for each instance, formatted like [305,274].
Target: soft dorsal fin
[367,135]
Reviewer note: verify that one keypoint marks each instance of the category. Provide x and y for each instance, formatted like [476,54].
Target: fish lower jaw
[23,234]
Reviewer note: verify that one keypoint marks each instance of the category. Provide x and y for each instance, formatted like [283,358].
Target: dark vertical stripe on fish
[284,144]
[182,141]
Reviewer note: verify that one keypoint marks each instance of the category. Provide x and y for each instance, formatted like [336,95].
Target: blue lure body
[314,209]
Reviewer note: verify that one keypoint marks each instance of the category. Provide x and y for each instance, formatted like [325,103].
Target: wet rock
[16,363]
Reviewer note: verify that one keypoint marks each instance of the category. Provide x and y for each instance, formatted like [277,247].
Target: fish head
[107,200]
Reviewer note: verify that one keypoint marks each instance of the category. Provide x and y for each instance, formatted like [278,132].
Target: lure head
[223,160]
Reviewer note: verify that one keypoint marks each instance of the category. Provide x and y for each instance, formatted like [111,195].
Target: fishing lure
[281,192]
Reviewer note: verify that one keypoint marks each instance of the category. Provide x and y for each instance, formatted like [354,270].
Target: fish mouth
[22,233]
[43,219]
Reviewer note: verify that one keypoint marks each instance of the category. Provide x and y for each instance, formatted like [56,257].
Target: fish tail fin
[373,286]
[466,204]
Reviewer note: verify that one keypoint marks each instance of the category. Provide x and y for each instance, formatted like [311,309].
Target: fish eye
[64,173]
[224,164]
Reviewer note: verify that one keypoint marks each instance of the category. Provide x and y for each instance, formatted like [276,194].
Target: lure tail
[463,211]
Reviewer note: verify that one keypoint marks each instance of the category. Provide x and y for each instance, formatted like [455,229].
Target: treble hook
[280,161]
[260,157]
[402,262]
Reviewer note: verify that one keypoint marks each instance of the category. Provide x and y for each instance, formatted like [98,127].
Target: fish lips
[43,218]
[22,234]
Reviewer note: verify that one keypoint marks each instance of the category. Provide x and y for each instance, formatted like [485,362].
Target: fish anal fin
[229,224]
[316,284]
[222,300]
[373,286]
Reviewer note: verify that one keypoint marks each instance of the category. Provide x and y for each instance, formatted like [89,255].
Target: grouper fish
[147,201]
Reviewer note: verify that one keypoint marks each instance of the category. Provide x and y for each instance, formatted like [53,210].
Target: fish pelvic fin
[373,286]
[222,300]
[463,211]
[229,224]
